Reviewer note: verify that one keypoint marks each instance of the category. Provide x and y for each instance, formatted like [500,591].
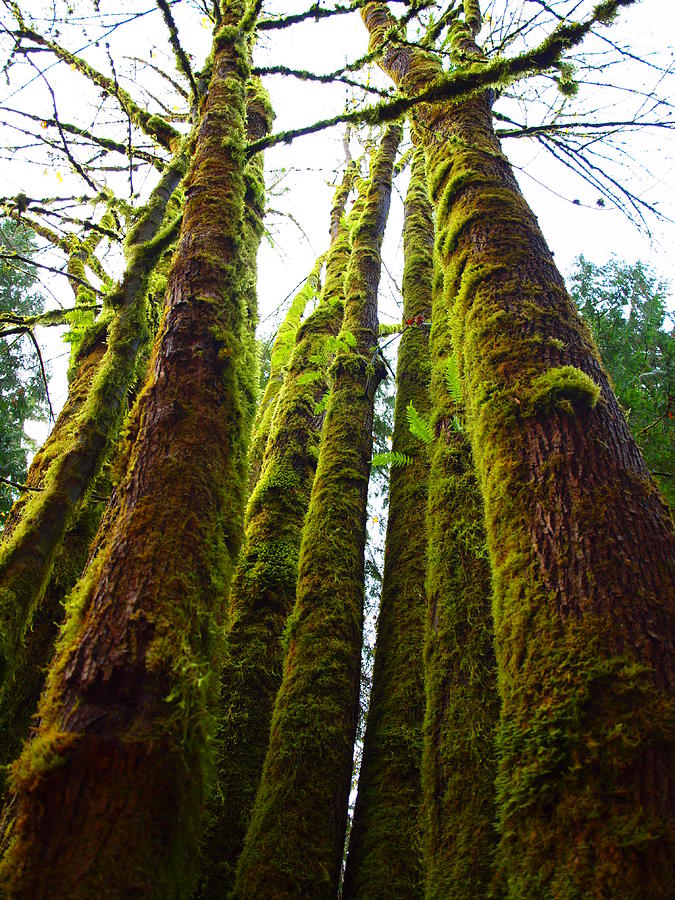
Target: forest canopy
[182,578]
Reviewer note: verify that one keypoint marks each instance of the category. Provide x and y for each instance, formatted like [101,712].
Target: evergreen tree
[625,308]
[22,388]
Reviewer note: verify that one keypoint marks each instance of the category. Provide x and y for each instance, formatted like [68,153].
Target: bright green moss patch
[564,387]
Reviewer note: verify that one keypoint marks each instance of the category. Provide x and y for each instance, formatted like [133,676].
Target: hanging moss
[295,839]
[126,717]
[263,590]
[385,859]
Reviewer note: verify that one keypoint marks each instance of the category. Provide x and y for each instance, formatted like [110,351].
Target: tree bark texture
[581,545]
[295,840]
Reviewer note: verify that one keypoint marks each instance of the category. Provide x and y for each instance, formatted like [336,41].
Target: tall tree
[384,842]
[126,708]
[22,391]
[295,841]
[638,353]
[263,590]
[582,590]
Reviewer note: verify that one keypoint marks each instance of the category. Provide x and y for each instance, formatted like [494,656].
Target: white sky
[313,161]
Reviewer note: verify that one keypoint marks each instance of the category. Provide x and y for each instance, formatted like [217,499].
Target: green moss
[564,387]
[384,858]
[295,838]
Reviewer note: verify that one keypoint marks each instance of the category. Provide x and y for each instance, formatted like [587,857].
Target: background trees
[22,385]
[576,534]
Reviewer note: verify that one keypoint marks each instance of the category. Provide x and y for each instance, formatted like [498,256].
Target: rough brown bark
[581,545]
[109,794]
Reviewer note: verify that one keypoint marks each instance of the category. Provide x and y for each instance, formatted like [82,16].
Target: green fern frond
[320,407]
[309,377]
[452,381]
[386,330]
[419,426]
[391,458]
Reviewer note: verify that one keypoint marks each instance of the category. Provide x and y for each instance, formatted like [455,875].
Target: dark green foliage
[625,308]
[22,390]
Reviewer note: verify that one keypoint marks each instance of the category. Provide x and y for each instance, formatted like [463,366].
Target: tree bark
[581,546]
[295,840]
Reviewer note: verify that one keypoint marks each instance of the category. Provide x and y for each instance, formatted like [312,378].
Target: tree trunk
[108,796]
[581,545]
[295,840]
[64,471]
[384,858]
[263,590]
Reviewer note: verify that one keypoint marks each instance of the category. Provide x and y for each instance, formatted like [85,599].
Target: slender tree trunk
[295,840]
[384,858]
[263,590]
[108,796]
[581,545]
[280,357]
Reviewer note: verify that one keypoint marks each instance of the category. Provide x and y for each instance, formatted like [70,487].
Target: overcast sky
[567,208]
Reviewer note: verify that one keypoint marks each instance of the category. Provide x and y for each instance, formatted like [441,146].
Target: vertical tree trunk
[295,840]
[581,545]
[108,796]
[263,590]
[384,858]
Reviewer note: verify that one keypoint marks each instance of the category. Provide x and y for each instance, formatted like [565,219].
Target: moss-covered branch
[452,86]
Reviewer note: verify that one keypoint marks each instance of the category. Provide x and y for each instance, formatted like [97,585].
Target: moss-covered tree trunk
[295,840]
[109,794]
[462,706]
[263,590]
[104,368]
[581,545]
[282,349]
[385,859]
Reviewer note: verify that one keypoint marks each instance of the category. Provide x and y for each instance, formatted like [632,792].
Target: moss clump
[564,387]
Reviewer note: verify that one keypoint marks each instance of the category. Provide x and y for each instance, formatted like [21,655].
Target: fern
[386,330]
[452,382]
[309,377]
[419,426]
[320,407]
[391,458]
